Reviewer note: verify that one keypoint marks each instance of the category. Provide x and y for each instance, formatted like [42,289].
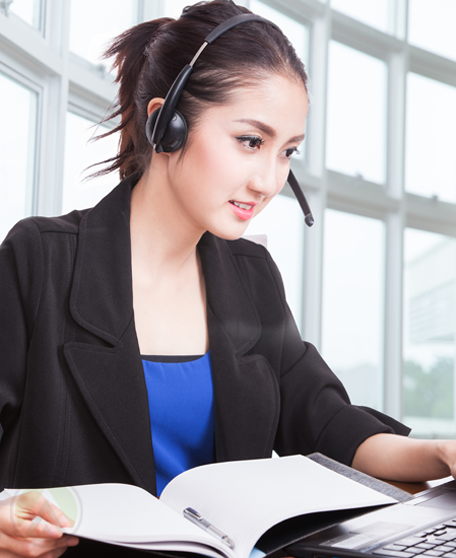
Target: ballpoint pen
[199,520]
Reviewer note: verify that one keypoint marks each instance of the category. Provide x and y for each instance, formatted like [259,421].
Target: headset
[166,127]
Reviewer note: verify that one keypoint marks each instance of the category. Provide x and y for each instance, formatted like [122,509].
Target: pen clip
[192,514]
[196,518]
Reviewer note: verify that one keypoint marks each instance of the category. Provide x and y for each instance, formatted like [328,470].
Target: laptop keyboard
[439,540]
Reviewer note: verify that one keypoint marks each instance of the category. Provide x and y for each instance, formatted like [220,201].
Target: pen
[199,520]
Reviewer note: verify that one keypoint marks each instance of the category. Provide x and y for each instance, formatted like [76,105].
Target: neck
[160,232]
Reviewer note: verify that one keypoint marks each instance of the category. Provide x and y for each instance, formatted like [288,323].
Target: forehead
[278,101]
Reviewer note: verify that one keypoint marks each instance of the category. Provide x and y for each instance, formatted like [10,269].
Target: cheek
[214,163]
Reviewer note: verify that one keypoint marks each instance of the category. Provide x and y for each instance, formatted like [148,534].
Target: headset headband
[172,97]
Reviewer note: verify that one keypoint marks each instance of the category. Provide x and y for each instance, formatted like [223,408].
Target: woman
[141,337]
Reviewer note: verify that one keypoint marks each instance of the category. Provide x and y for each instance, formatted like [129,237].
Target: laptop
[422,525]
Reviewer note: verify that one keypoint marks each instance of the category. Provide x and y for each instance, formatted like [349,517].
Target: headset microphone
[166,128]
[297,191]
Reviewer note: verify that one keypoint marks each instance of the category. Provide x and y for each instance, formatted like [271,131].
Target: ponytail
[130,51]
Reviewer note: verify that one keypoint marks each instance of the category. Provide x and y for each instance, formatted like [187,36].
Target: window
[18,115]
[356,131]
[81,153]
[429,333]
[430,138]
[353,298]
[375,13]
[28,10]
[431,26]
[94,23]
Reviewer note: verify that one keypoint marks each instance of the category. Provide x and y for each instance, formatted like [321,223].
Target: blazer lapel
[246,391]
[109,373]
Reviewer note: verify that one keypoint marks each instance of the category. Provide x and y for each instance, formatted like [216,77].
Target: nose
[264,183]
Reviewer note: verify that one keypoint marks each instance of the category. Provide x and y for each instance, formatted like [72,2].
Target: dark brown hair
[149,56]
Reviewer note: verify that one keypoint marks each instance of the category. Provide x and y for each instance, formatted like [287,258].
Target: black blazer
[73,401]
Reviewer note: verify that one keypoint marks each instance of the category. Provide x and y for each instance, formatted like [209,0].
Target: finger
[19,517]
[12,546]
[33,503]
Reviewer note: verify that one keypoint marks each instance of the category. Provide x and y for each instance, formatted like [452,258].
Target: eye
[291,151]
[252,142]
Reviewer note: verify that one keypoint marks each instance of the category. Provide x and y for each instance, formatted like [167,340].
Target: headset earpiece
[175,133]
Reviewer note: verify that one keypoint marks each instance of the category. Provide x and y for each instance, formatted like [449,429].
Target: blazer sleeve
[21,277]
[316,414]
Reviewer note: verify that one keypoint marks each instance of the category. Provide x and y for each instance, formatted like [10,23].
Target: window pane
[429,328]
[353,299]
[80,154]
[374,13]
[173,8]
[431,26]
[94,23]
[18,111]
[28,10]
[356,130]
[430,138]
[283,223]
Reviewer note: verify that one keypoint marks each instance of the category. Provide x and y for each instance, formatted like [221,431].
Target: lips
[242,210]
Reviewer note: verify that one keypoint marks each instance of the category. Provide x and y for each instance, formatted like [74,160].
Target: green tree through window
[429,393]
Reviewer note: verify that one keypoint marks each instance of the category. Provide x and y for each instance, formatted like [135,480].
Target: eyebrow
[267,129]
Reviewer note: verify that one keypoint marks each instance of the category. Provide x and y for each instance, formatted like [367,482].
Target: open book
[239,501]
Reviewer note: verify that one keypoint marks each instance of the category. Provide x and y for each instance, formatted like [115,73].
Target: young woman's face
[238,157]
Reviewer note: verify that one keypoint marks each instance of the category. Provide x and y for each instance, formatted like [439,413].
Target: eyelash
[256,140]
[292,151]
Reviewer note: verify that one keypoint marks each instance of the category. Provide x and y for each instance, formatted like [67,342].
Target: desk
[415,487]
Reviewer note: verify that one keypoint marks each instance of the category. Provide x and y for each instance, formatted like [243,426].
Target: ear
[154,104]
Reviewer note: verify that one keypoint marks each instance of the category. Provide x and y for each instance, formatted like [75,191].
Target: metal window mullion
[54,106]
[17,61]
[394,254]
[393,403]
[313,240]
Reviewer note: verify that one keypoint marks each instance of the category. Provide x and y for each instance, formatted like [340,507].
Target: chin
[228,235]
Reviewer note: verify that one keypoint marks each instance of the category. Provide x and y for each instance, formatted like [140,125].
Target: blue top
[181,407]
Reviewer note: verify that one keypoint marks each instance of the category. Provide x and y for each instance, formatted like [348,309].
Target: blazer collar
[227,294]
[102,298]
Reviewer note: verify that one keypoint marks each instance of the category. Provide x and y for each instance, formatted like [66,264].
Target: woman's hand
[22,534]
[448,455]
[393,457]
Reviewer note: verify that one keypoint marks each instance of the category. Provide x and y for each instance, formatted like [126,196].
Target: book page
[122,513]
[245,498]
